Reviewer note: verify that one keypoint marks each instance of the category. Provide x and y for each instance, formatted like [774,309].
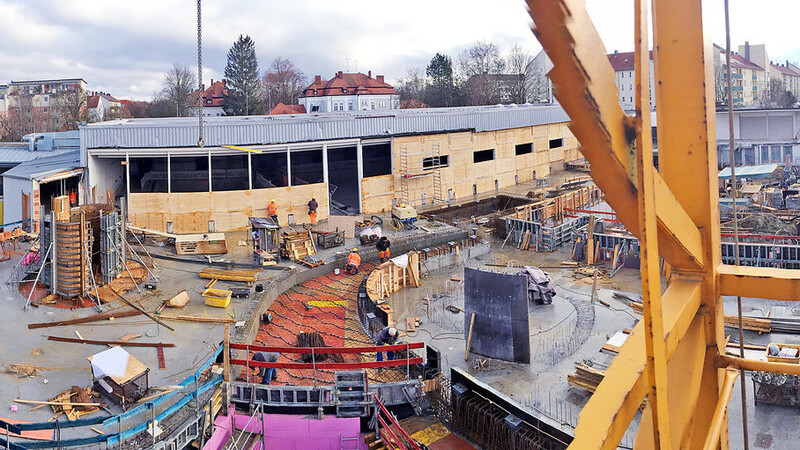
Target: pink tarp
[292,432]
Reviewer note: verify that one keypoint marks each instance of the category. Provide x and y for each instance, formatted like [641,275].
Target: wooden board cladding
[377,193]
[462,172]
[557,207]
[190,211]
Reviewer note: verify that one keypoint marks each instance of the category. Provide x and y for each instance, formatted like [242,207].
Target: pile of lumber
[298,245]
[524,241]
[245,275]
[586,377]
[74,402]
[749,323]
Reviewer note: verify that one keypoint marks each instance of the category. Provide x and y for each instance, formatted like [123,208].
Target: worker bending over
[383,248]
[353,262]
[312,210]
[387,336]
[272,209]
[267,374]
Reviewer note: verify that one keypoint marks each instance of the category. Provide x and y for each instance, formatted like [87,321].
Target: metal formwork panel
[110,247]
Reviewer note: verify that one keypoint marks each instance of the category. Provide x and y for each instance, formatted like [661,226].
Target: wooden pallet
[298,245]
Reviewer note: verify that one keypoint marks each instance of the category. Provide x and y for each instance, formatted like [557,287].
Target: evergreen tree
[241,79]
[442,88]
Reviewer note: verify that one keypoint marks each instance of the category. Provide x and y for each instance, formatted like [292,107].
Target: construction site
[499,277]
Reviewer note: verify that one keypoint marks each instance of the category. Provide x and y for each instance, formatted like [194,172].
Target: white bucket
[336,271]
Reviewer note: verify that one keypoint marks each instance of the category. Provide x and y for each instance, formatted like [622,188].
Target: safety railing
[121,435]
[407,360]
[387,422]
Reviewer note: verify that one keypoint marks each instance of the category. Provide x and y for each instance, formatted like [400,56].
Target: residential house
[623,65]
[789,75]
[349,92]
[102,106]
[3,99]
[748,78]
[282,108]
[213,98]
[43,93]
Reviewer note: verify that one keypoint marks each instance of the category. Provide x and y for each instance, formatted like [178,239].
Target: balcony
[736,88]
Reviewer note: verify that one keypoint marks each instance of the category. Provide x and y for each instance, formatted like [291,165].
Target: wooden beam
[87,319]
[469,337]
[102,342]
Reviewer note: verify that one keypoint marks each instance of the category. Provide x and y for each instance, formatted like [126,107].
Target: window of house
[435,161]
[45,109]
[148,174]
[483,155]
[350,105]
[523,149]
[383,105]
[46,99]
[229,173]
[376,159]
[371,105]
[315,108]
[556,143]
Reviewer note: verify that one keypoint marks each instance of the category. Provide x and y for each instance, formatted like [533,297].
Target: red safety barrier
[309,350]
[327,365]
[393,421]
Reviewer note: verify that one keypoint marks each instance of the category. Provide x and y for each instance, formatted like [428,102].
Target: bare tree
[517,64]
[282,82]
[177,89]
[70,109]
[19,120]
[480,64]
[720,81]
[776,95]
[412,85]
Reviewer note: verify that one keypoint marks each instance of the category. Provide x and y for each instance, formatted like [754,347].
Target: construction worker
[312,210]
[387,336]
[267,374]
[73,198]
[383,245]
[353,262]
[272,209]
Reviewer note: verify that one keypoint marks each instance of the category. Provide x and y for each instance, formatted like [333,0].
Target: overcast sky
[124,47]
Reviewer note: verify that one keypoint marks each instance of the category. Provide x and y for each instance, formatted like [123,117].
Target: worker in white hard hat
[353,262]
[387,336]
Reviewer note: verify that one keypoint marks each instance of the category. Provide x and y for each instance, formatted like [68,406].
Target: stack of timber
[586,377]
[74,402]
[298,245]
[244,275]
[762,325]
[201,244]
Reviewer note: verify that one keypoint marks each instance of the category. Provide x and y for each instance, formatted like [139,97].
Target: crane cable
[735,215]
[200,141]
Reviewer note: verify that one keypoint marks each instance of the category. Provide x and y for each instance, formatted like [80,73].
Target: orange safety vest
[273,210]
[354,259]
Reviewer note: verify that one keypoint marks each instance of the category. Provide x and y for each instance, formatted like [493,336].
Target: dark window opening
[483,155]
[189,174]
[269,170]
[343,180]
[148,175]
[229,173]
[555,143]
[377,159]
[307,167]
[315,107]
[435,161]
[523,149]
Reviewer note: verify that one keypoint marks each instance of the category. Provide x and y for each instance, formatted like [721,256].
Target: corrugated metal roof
[42,167]
[12,155]
[265,130]
[760,171]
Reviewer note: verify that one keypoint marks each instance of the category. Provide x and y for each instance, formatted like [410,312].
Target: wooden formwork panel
[377,193]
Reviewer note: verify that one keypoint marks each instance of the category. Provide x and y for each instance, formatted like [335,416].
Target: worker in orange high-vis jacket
[312,210]
[383,248]
[272,209]
[353,262]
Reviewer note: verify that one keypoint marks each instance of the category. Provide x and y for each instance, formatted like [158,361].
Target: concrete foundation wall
[500,304]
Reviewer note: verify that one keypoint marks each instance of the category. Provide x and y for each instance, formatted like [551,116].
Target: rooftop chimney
[318,79]
[747,50]
[379,78]
[339,74]
[369,74]
[616,52]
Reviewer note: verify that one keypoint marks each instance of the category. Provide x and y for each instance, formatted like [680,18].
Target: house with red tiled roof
[282,108]
[623,65]
[213,98]
[349,92]
[102,106]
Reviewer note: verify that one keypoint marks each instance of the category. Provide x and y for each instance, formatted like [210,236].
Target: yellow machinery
[676,354]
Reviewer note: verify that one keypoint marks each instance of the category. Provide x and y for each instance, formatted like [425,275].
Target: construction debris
[586,377]
[179,301]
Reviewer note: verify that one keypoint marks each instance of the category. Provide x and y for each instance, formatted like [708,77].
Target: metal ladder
[343,440]
[437,174]
[404,195]
[351,393]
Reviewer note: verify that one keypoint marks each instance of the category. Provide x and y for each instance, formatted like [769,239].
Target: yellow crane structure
[676,354]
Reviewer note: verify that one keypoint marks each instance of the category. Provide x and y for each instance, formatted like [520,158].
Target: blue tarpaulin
[749,172]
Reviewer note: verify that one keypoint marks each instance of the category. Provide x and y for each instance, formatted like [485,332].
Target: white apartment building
[349,92]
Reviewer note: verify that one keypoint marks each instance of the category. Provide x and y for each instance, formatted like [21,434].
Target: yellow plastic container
[779,359]
[219,298]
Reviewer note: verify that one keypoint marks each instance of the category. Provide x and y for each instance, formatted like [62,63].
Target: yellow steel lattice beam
[584,85]
[759,282]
